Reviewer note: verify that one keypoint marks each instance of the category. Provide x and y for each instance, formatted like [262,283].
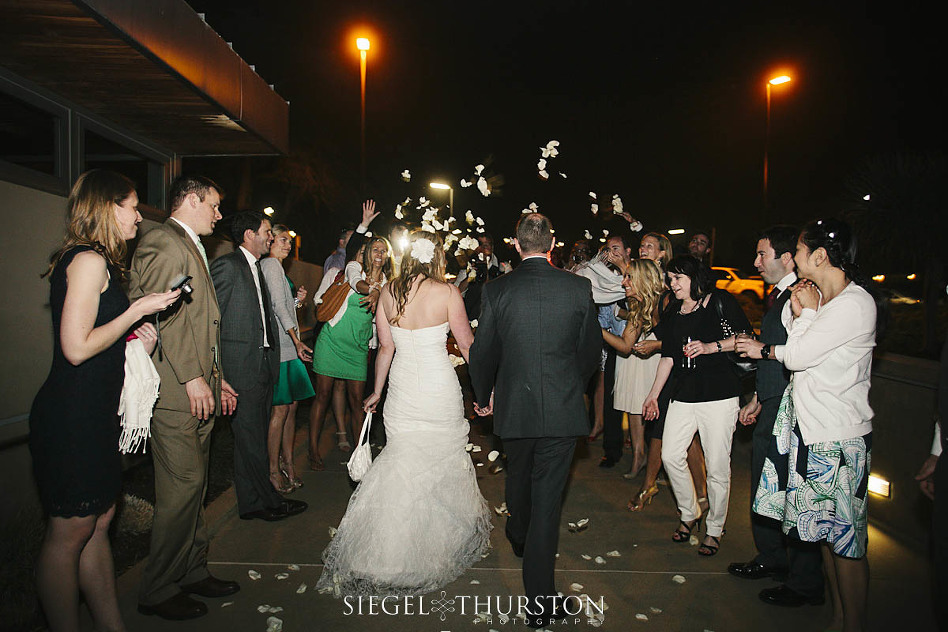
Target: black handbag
[742,366]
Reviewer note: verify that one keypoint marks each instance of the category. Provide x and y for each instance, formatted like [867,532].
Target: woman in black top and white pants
[705,395]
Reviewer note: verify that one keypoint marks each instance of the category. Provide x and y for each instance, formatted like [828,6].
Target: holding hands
[749,412]
[645,348]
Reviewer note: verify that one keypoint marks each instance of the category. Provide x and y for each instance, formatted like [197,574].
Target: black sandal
[708,550]
[684,536]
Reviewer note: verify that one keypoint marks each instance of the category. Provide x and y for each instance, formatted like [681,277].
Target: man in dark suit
[777,555]
[536,346]
[192,392]
[250,357]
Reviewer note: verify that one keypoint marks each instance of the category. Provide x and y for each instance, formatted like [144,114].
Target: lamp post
[776,81]
[362,44]
[450,190]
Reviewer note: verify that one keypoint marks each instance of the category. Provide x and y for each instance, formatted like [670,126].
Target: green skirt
[293,383]
[342,351]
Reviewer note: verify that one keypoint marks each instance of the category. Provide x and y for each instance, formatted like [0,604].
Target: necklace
[681,310]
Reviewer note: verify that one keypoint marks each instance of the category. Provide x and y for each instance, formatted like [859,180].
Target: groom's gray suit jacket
[538,341]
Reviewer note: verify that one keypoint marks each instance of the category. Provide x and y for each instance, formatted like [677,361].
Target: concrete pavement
[639,582]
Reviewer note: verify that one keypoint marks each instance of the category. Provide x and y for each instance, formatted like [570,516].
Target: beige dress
[634,378]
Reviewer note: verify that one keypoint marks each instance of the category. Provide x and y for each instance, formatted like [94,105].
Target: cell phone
[182,283]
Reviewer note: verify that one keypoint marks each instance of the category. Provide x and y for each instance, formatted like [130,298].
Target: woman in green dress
[341,351]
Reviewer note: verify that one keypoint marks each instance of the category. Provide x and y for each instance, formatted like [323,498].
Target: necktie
[203,255]
[769,302]
[265,304]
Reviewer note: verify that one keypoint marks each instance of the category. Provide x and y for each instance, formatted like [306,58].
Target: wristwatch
[765,352]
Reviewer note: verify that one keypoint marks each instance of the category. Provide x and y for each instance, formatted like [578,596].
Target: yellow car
[736,282]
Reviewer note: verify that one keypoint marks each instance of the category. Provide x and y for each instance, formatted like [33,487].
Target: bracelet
[720,348]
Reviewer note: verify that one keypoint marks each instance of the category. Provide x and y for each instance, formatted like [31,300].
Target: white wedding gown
[417,520]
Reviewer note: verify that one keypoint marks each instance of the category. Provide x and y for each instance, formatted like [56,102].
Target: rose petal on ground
[576,587]
[227,603]
[641,617]
[274,624]
[301,589]
[293,567]
[275,609]
[585,557]
[476,448]
[254,575]
[332,532]
[613,554]
[263,608]
[693,540]
[655,610]
[492,455]
[678,579]
[469,447]
[281,576]
[599,560]
[474,582]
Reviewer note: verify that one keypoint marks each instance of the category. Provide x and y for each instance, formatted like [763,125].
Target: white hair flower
[423,250]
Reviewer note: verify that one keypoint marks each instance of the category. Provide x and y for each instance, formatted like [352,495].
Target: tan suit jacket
[190,329]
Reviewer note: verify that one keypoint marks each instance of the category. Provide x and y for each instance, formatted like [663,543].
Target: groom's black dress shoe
[177,608]
[783,596]
[608,461]
[285,509]
[754,570]
[210,586]
[516,546]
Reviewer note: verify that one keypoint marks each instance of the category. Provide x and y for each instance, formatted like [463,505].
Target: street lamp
[449,189]
[776,81]
[362,43]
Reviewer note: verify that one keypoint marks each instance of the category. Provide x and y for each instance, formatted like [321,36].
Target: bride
[417,520]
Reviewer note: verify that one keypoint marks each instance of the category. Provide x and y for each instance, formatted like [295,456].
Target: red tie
[769,302]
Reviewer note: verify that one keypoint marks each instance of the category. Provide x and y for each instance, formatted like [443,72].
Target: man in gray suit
[537,344]
[192,392]
[776,554]
[250,358]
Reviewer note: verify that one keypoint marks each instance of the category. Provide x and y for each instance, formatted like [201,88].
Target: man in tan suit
[192,391]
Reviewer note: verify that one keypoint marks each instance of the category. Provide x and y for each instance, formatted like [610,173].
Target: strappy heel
[643,498]
[343,441]
[682,536]
[710,550]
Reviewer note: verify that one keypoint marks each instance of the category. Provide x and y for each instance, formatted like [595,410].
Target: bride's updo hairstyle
[424,257]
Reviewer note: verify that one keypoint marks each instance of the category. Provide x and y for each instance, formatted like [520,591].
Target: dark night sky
[664,105]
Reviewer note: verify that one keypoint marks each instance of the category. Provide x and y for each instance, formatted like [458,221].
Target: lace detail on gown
[417,520]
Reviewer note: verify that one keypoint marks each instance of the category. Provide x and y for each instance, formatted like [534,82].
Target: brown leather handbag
[333,298]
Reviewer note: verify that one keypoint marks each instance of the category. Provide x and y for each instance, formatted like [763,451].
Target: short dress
[74,423]
[293,383]
[634,379]
[342,350]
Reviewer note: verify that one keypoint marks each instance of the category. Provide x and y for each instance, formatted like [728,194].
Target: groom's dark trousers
[537,343]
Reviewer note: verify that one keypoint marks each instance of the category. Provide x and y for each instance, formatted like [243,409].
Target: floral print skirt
[818,491]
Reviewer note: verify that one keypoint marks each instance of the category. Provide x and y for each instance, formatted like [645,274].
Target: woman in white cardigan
[293,383]
[816,474]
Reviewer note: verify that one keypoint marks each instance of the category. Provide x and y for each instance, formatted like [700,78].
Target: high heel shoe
[680,535]
[709,550]
[295,481]
[280,483]
[343,441]
[643,498]
[633,471]
[316,463]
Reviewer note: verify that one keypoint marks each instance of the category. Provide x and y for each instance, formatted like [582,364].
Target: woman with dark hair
[417,520]
[705,393]
[74,428]
[815,477]
[293,384]
[341,351]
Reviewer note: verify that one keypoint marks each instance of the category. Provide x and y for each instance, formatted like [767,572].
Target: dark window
[28,135]
[100,152]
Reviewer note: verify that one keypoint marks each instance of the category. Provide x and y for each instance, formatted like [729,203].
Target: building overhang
[153,67]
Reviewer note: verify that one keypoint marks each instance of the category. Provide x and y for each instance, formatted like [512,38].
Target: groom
[537,344]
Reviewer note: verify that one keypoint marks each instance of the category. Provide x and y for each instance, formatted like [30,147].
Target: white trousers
[714,422]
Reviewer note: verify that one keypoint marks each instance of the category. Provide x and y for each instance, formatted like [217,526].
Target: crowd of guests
[674,354]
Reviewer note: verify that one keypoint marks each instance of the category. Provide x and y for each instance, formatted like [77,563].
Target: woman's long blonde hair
[412,268]
[645,276]
[90,216]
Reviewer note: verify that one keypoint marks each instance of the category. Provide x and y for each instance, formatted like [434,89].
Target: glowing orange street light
[776,81]
[362,43]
